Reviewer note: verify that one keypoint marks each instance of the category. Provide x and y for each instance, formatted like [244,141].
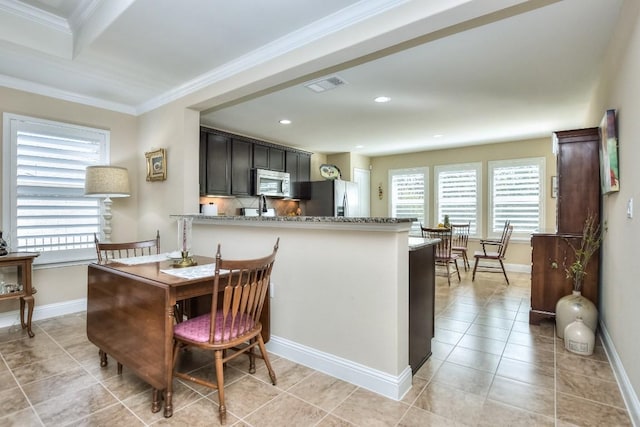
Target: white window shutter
[409,195]
[459,195]
[49,211]
[517,195]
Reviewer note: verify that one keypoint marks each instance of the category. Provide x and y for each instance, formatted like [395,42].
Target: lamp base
[185,261]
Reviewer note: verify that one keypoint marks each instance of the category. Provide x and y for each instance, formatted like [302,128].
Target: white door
[362,177]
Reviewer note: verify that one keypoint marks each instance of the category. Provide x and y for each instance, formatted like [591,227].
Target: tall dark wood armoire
[578,195]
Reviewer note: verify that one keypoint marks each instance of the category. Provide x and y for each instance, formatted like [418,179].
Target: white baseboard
[628,393]
[40,312]
[518,268]
[393,387]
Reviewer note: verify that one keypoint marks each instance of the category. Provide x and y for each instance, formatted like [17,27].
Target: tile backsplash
[231,205]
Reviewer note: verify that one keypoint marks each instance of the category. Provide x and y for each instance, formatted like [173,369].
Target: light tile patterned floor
[489,368]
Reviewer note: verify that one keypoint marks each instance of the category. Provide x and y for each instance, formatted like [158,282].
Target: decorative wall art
[156,165]
[609,173]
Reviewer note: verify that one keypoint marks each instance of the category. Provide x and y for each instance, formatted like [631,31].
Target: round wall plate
[330,171]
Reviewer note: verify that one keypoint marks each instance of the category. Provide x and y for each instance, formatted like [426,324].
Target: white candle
[184,235]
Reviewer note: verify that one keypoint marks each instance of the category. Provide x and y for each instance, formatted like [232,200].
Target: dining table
[130,313]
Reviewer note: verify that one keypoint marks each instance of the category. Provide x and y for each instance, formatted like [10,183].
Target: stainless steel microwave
[271,183]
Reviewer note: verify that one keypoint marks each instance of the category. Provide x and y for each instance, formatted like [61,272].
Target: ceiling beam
[24,25]
[91,22]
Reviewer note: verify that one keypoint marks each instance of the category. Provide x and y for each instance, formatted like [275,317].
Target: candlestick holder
[185,261]
[184,243]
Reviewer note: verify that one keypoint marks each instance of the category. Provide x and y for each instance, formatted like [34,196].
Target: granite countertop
[360,224]
[331,219]
[416,243]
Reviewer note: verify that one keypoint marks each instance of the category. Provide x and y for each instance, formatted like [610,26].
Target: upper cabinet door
[260,156]
[216,149]
[299,167]
[241,167]
[267,157]
[276,159]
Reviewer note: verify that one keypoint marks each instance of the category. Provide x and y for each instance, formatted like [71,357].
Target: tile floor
[489,368]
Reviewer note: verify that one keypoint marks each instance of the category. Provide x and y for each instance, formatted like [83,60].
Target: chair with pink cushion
[233,326]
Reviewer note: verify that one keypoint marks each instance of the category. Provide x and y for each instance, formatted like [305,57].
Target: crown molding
[82,13]
[45,90]
[36,15]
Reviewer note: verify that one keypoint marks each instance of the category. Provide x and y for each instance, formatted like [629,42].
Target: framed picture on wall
[156,165]
[609,172]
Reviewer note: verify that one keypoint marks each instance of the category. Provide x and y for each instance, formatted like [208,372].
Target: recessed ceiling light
[382,99]
[438,136]
[285,122]
[359,146]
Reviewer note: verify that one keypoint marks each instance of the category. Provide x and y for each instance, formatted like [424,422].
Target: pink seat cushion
[197,329]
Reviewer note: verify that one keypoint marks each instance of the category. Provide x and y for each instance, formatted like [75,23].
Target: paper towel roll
[210,210]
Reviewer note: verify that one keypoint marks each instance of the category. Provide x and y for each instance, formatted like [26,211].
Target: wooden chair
[444,255]
[111,251]
[460,241]
[497,255]
[507,223]
[107,252]
[232,324]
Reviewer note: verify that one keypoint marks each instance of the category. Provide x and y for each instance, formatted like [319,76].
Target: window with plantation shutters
[458,194]
[516,193]
[43,172]
[409,194]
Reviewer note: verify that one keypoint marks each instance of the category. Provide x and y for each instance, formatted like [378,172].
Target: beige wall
[619,290]
[519,251]
[177,129]
[346,162]
[68,283]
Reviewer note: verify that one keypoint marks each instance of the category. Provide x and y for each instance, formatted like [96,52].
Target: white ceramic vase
[579,338]
[569,307]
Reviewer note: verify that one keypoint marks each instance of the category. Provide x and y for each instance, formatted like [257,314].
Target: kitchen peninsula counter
[339,290]
[356,223]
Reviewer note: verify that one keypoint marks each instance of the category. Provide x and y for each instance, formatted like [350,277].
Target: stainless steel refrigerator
[332,198]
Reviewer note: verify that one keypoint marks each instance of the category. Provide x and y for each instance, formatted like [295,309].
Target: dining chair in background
[444,255]
[460,241]
[113,251]
[233,326]
[498,254]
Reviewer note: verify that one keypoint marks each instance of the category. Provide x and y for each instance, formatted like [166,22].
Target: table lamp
[107,182]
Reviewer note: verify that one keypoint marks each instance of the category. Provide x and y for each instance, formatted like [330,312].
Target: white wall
[340,302]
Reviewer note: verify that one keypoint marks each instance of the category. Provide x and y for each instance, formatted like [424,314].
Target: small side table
[23,262]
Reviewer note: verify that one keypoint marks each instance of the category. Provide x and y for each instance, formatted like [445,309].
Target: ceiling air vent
[325,84]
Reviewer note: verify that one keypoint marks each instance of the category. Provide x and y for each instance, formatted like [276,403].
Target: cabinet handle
[554,264]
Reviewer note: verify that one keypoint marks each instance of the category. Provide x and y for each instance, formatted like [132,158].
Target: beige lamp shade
[107,181]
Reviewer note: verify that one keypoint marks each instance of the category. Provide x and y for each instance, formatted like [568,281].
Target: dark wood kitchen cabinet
[298,165]
[215,152]
[268,157]
[241,167]
[578,195]
[227,160]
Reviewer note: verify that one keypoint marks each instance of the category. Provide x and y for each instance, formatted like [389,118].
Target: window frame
[540,162]
[11,125]
[477,166]
[424,170]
